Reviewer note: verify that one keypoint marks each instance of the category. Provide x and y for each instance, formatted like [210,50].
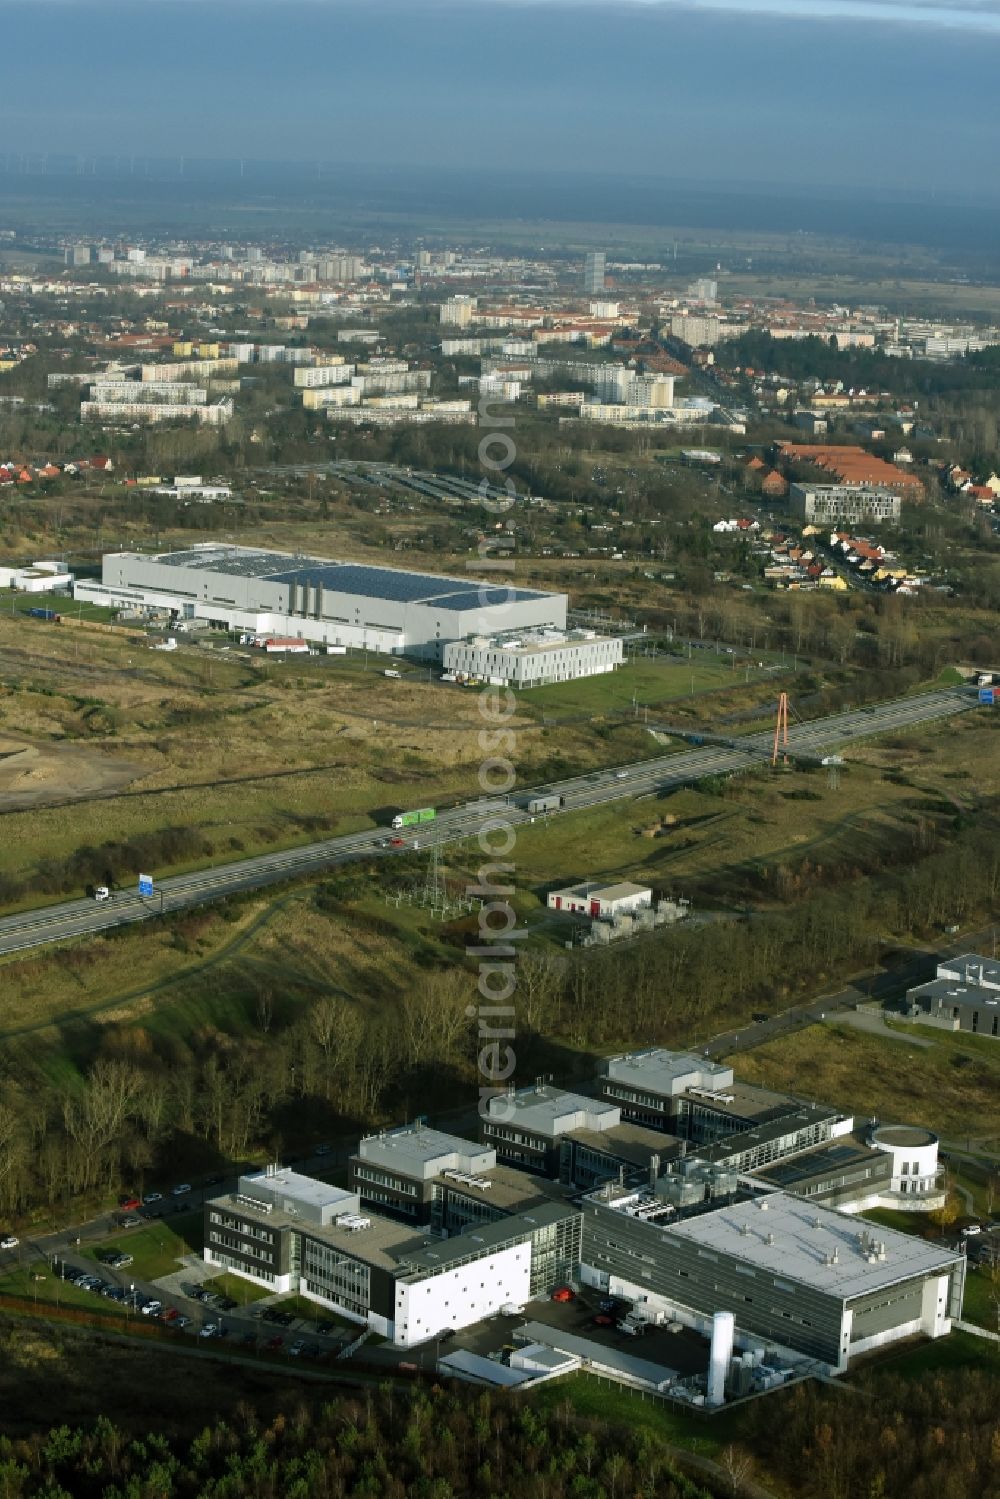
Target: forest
[887,1434]
[422,1444]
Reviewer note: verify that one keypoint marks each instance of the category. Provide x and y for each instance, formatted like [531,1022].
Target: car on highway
[9,1241]
[397,842]
[621,775]
[563,1293]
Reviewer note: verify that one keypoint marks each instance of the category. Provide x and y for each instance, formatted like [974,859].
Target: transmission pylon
[435,895]
[781,730]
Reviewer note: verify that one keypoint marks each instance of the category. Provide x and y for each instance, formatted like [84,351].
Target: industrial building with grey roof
[327,602]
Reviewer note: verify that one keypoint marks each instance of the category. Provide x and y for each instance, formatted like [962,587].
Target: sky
[871,95]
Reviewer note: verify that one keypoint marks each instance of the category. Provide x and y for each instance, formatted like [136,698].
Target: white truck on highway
[101,892]
[550,803]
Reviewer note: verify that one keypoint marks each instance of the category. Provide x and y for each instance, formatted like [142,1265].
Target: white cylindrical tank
[723,1329]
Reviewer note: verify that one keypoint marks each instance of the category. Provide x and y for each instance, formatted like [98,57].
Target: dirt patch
[33,774]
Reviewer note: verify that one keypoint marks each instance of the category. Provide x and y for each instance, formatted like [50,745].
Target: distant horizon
[175,168]
[879,97]
[638,217]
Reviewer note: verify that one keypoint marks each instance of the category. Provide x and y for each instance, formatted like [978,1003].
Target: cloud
[964,15]
[982,16]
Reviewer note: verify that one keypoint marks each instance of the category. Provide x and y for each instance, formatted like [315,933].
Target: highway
[80,918]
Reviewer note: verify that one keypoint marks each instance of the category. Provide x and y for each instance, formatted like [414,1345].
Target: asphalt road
[819,737]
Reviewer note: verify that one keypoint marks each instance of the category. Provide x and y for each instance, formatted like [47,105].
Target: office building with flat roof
[291,1233]
[965,996]
[795,1275]
[526,1126]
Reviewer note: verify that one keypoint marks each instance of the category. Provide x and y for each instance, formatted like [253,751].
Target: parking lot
[686,1352]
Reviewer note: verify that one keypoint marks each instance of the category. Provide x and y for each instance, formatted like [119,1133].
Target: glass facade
[335,1276]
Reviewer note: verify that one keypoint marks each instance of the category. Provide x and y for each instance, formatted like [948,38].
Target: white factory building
[40,577]
[330,603]
[600,900]
[533,658]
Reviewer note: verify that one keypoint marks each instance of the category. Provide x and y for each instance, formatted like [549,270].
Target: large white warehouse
[332,603]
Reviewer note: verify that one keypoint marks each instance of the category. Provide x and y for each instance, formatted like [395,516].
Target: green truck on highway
[412,819]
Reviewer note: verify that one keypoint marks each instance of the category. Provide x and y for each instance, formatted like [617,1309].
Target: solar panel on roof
[486,597]
[433,589]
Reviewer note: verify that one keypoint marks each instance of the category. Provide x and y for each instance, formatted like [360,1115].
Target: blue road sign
[145,884]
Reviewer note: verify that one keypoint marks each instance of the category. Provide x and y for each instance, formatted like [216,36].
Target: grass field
[642,681]
[871,1075]
[203,969]
[69,609]
[158,1247]
[960,1350]
[234,1286]
[590,1396]
[38,1284]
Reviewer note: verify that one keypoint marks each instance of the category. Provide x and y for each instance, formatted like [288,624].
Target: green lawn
[981,1297]
[960,1350]
[157,1248]
[311,1311]
[242,1291]
[646,681]
[590,1396]
[48,1290]
[904,1223]
[57,601]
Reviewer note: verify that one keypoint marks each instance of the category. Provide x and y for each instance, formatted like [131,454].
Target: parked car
[152,1197]
[180,1322]
[209,1330]
[563,1294]
[130,1202]
[151,1307]
[604,1319]
[296,1348]
[9,1241]
[179,1191]
[274,1342]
